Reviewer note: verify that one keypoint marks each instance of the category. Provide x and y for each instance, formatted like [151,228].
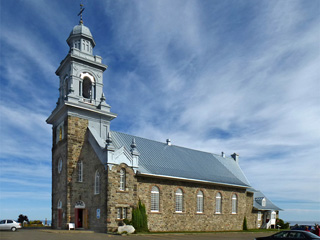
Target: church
[99,175]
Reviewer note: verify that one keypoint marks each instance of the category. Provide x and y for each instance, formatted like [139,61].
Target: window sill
[122,191]
[200,213]
[155,212]
[179,213]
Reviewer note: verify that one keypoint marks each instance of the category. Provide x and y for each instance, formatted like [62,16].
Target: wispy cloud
[232,76]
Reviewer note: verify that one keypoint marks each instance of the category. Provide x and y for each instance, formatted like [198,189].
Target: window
[234,204]
[263,202]
[80,171]
[200,202]
[218,203]
[259,216]
[59,132]
[155,199]
[65,86]
[87,88]
[59,204]
[179,200]
[122,179]
[60,165]
[121,213]
[97,183]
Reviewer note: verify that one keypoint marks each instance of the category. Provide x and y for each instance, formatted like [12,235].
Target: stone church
[99,175]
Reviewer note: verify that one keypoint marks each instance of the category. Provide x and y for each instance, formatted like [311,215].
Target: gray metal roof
[257,202]
[160,159]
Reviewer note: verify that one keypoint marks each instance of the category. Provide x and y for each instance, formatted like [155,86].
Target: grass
[199,232]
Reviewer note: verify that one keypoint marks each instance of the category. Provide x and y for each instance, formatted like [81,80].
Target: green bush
[245,224]
[139,218]
[35,222]
[127,222]
[282,225]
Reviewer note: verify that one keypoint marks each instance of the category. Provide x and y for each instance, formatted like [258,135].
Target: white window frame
[234,204]
[122,179]
[263,202]
[218,203]
[121,213]
[97,183]
[155,199]
[200,202]
[179,200]
[259,216]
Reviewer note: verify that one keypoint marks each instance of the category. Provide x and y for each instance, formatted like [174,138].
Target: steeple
[81,79]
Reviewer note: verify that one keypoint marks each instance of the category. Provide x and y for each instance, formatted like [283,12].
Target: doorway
[79,218]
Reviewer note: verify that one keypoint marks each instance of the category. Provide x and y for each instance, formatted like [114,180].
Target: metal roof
[160,159]
[257,202]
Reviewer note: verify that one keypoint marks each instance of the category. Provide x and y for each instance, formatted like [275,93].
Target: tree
[139,218]
[22,218]
[282,225]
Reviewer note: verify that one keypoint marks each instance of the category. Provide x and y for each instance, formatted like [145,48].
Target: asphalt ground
[34,234]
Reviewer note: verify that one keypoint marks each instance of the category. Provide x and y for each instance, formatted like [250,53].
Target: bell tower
[81,105]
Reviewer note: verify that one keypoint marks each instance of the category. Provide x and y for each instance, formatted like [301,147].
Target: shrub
[245,224]
[282,225]
[139,218]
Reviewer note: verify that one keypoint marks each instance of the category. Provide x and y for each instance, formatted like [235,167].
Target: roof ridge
[173,145]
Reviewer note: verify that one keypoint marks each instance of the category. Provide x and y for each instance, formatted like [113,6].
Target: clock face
[60,165]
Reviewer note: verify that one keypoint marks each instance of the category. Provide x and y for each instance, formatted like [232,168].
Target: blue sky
[233,76]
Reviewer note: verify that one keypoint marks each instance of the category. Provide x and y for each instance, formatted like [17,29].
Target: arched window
[179,200]
[80,171]
[218,203]
[122,179]
[59,206]
[65,86]
[263,202]
[234,204]
[155,197]
[87,88]
[97,183]
[200,202]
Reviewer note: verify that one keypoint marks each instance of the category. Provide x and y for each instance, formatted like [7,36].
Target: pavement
[35,234]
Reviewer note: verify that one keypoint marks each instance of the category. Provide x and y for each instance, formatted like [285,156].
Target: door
[59,217]
[79,218]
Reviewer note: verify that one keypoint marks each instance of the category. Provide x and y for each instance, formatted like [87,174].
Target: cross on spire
[80,13]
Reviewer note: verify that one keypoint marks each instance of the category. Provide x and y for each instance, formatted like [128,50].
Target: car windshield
[309,234]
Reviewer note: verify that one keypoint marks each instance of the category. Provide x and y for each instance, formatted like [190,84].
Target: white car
[9,224]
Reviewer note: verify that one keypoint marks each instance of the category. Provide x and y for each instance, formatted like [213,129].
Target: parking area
[27,234]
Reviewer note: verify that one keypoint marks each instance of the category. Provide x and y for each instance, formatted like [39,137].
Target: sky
[234,76]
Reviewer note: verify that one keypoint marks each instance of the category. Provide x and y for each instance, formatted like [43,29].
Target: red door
[79,218]
[59,217]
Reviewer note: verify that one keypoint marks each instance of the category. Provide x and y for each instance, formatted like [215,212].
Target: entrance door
[59,217]
[79,218]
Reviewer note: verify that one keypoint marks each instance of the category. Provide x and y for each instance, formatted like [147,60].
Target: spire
[80,13]
[133,146]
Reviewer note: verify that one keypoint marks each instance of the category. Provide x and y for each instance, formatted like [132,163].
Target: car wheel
[13,229]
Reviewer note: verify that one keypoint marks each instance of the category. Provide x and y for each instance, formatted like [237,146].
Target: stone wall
[84,191]
[59,180]
[168,220]
[118,198]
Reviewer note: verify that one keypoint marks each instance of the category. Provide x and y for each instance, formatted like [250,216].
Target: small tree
[244,227]
[22,218]
[282,225]
[139,218]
